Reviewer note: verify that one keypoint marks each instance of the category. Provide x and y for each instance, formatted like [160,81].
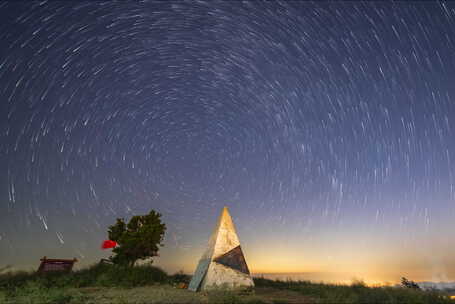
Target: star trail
[326,127]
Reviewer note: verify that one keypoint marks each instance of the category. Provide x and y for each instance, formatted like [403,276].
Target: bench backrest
[63,265]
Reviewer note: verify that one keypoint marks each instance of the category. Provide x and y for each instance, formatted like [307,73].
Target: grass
[33,292]
[357,292]
[99,275]
[31,287]
[147,284]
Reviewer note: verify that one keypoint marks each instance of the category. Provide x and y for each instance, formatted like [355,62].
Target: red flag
[108,244]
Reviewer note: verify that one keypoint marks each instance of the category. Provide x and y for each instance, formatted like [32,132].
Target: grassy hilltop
[147,284]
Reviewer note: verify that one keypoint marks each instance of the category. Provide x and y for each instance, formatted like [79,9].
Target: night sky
[328,129]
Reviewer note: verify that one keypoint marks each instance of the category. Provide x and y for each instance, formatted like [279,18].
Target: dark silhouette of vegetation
[409,284]
[139,239]
[358,292]
[102,275]
[59,288]
[93,284]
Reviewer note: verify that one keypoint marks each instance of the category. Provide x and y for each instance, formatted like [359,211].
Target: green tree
[139,239]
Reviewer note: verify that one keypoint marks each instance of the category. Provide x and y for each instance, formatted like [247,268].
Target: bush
[114,275]
[409,284]
[358,292]
[180,277]
[50,288]
[97,275]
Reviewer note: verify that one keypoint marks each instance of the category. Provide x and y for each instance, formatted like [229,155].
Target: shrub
[358,292]
[139,239]
[97,275]
[115,275]
[409,284]
[180,277]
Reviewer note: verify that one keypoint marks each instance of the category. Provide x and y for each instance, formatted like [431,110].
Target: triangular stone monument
[223,263]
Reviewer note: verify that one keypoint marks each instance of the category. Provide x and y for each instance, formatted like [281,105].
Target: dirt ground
[168,294]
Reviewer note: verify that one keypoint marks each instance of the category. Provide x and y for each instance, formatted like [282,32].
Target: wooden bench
[61,265]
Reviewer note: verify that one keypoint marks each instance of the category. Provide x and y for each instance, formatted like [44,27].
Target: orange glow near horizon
[377,266]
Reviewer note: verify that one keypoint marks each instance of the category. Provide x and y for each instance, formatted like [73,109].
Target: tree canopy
[139,239]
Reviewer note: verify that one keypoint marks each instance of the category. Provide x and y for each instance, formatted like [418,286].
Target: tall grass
[357,293]
[97,275]
[34,292]
[109,284]
[104,280]
[54,287]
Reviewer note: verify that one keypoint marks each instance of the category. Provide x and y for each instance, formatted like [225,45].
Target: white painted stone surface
[210,274]
[221,276]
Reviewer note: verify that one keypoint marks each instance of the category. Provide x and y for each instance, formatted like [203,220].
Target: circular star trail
[321,125]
